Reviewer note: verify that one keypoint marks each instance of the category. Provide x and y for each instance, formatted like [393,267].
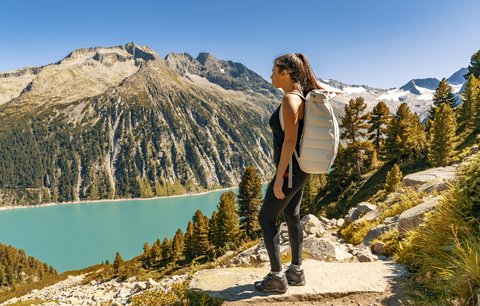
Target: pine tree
[315,183]
[146,247]
[3,277]
[227,220]
[189,246]
[166,249]
[443,136]
[474,67]
[156,252]
[379,118]
[355,126]
[177,244]
[117,263]
[394,177]
[443,94]
[249,200]
[340,176]
[418,137]
[213,235]
[374,162]
[399,142]
[200,224]
[468,110]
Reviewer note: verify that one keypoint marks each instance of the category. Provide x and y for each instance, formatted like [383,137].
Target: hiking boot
[272,283]
[295,277]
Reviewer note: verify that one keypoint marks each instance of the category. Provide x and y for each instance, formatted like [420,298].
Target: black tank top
[279,134]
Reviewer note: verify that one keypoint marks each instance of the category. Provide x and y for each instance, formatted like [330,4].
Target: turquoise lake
[74,236]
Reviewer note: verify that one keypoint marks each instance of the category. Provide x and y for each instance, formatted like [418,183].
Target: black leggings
[290,206]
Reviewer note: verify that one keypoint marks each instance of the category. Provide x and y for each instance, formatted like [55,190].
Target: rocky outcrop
[433,177]
[72,292]
[323,280]
[411,218]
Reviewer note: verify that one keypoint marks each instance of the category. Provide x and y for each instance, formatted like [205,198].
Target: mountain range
[123,121]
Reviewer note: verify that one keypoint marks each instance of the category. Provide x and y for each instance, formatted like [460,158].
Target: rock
[365,256]
[376,232]
[411,218]
[312,226]
[352,215]
[391,220]
[379,248]
[97,296]
[151,283]
[140,286]
[340,222]
[431,186]
[122,293]
[323,279]
[364,207]
[434,174]
[369,216]
[93,282]
[70,277]
[323,249]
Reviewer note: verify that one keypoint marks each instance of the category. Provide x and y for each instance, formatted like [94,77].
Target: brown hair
[299,69]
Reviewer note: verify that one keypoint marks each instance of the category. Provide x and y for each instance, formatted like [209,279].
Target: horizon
[354,45]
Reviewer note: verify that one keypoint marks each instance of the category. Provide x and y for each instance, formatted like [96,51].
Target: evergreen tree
[146,248]
[468,111]
[443,95]
[200,224]
[399,142]
[249,200]
[3,277]
[117,263]
[189,246]
[354,123]
[166,249]
[379,118]
[156,252]
[177,244]
[474,67]
[355,126]
[315,183]
[374,162]
[443,136]
[107,262]
[418,137]
[227,220]
[340,176]
[213,235]
[394,177]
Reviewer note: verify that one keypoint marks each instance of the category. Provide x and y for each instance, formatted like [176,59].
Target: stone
[122,293]
[365,256]
[324,249]
[352,215]
[391,220]
[379,248]
[323,279]
[140,286]
[364,207]
[369,216]
[375,232]
[340,222]
[151,283]
[438,185]
[93,282]
[411,218]
[312,226]
[438,174]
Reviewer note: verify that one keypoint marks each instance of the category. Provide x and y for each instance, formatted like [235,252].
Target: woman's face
[277,78]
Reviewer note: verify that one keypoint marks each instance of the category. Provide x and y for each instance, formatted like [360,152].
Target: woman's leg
[269,212]
[295,229]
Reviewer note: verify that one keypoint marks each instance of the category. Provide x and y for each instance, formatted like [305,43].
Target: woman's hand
[277,188]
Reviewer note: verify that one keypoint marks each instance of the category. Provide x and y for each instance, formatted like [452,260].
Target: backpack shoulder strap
[296,93]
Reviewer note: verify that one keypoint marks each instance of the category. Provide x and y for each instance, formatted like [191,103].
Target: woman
[293,74]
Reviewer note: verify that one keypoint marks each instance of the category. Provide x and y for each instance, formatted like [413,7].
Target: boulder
[411,218]
[438,185]
[438,174]
[369,216]
[364,207]
[379,248]
[340,222]
[376,232]
[324,249]
[352,215]
[312,226]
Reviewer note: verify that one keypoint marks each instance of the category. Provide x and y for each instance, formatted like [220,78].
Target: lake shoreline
[113,200]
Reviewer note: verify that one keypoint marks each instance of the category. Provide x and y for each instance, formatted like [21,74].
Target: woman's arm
[291,108]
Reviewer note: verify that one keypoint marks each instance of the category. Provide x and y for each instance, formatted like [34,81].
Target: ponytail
[299,69]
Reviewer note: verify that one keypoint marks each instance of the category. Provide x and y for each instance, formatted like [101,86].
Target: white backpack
[320,135]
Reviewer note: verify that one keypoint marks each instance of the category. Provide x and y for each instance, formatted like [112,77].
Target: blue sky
[382,43]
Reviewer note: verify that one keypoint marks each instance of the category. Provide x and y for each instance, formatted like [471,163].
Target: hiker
[291,73]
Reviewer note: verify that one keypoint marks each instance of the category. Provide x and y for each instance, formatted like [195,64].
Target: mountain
[417,93]
[123,121]
[118,122]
